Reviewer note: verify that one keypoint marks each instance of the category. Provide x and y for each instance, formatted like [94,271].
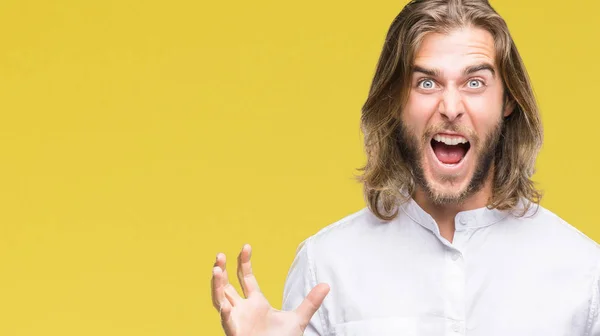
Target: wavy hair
[387,179]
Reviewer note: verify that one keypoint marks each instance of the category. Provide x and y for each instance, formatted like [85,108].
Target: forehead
[456,50]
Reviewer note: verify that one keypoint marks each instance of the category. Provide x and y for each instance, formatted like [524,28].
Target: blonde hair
[387,179]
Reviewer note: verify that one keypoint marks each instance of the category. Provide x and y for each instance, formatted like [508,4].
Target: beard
[412,151]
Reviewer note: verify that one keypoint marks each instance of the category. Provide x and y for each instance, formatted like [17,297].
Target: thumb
[311,303]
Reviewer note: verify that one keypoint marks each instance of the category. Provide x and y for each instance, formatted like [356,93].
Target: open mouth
[450,149]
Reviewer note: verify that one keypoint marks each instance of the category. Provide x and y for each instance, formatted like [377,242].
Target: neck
[444,214]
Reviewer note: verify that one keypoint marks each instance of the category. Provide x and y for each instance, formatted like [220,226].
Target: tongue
[448,154]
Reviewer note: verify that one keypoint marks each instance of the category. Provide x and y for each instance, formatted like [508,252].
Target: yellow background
[139,138]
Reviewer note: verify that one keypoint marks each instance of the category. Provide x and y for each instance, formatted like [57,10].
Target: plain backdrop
[140,138]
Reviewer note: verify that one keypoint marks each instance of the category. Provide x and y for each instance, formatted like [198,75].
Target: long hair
[387,179]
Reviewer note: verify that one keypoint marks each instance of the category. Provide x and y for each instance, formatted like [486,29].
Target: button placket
[455,288]
[457,328]
[455,256]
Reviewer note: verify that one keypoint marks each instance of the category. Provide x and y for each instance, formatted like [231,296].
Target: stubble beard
[413,151]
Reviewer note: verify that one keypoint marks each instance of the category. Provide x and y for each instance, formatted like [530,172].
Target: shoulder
[331,241]
[552,225]
[347,233]
[348,229]
[352,223]
[546,230]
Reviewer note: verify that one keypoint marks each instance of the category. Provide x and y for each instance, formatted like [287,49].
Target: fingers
[244,272]
[225,313]
[223,294]
[218,281]
[311,303]
[222,263]
[217,293]
[222,291]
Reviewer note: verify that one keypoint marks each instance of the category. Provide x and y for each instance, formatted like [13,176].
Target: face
[452,121]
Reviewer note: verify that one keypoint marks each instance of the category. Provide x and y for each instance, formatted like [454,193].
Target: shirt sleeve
[593,318]
[300,280]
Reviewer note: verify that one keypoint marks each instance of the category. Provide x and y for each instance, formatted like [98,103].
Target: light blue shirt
[501,276]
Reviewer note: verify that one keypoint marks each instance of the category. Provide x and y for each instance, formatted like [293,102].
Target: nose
[451,105]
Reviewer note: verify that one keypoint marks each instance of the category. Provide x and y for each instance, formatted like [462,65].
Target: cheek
[485,114]
[418,111]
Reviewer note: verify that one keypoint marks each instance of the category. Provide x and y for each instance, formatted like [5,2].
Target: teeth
[453,140]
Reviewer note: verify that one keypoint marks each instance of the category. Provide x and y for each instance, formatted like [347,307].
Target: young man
[453,241]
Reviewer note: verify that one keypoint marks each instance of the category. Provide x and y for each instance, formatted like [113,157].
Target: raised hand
[252,315]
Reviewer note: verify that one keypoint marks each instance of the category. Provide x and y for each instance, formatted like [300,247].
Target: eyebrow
[480,67]
[469,70]
[428,72]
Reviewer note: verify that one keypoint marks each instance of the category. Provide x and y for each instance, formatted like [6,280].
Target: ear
[509,106]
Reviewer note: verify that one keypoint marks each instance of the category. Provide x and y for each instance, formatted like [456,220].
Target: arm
[300,280]
[593,325]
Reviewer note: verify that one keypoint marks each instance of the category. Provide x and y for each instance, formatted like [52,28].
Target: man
[453,241]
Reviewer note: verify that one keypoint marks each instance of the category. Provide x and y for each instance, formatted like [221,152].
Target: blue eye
[475,84]
[426,84]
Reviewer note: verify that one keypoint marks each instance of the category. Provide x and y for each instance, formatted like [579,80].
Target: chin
[446,192]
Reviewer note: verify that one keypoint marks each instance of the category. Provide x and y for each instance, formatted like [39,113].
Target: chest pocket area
[388,326]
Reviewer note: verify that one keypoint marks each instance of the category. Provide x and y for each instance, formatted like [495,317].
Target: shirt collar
[464,220]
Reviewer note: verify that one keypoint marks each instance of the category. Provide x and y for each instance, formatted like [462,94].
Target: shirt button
[463,221]
[455,256]
[455,327]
